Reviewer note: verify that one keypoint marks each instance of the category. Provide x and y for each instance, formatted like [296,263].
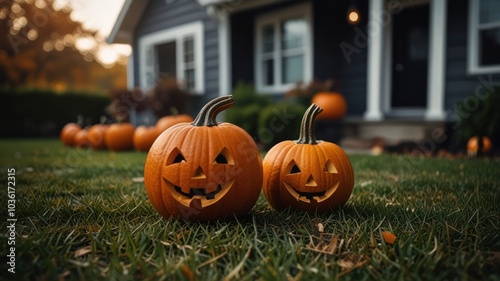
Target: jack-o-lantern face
[204,170]
[307,174]
[196,184]
[317,185]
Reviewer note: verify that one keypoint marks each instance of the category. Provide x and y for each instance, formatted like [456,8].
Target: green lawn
[82,216]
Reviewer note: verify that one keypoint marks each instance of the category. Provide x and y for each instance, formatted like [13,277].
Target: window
[283,49]
[484,36]
[174,52]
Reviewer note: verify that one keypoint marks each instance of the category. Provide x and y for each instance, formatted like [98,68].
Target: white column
[437,61]
[130,71]
[375,69]
[224,53]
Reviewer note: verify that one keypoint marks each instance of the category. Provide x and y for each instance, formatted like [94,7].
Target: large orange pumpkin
[473,145]
[69,132]
[204,170]
[96,136]
[333,104]
[144,137]
[119,136]
[168,121]
[307,174]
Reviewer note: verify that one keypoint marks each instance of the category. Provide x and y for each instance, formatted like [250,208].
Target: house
[402,64]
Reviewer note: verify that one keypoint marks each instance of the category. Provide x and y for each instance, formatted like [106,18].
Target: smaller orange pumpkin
[144,137]
[96,135]
[81,139]
[168,121]
[333,104]
[69,131]
[119,136]
[473,145]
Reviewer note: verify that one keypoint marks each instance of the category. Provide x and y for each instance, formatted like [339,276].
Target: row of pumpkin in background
[118,136]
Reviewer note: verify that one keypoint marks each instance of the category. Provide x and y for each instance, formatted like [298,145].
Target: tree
[38,47]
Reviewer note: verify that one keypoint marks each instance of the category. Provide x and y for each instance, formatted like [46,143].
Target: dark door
[410,56]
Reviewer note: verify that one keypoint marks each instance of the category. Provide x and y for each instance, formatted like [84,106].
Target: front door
[410,56]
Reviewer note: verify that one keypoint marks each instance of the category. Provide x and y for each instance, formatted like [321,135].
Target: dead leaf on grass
[350,262]
[188,272]
[138,179]
[389,238]
[83,251]
[320,227]
[324,246]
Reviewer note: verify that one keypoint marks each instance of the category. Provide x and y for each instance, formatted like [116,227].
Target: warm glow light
[85,44]
[353,16]
[32,34]
[107,56]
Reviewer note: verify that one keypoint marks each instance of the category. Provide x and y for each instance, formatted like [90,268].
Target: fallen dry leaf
[324,246]
[83,251]
[138,179]
[350,262]
[320,227]
[187,272]
[389,238]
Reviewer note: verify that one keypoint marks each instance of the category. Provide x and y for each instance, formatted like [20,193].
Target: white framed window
[484,37]
[283,48]
[174,52]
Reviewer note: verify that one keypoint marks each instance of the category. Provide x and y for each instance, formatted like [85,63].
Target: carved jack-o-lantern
[307,174]
[204,170]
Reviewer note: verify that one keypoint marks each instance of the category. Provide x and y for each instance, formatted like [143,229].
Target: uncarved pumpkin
[307,174]
[333,104]
[69,132]
[119,136]
[168,121]
[204,170]
[473,145]
[82,139]
[96,136]
[144,137]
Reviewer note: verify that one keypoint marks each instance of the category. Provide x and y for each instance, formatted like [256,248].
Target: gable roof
[130,15]
[126,21]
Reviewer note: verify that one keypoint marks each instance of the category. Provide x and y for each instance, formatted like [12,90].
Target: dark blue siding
[459,85]
[159,15]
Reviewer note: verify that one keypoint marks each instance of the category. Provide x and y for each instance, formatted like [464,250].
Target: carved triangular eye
[295,169]
[220,159]
[329,167]
[224,157]
[179,158]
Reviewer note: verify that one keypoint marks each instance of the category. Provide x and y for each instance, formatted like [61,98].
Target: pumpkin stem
[103,119]
[209,112]
[174,111]
[306,135]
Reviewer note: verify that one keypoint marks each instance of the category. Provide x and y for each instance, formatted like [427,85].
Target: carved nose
[311,182]
[199,174]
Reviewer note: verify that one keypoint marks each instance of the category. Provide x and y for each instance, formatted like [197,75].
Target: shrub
[279,122]
[41,112]
[246,113]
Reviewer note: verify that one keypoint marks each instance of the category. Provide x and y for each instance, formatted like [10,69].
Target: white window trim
[473,66]
[175,34]
[275,17]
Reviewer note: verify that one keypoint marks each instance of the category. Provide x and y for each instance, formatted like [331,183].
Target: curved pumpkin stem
[306,135]
[209,112]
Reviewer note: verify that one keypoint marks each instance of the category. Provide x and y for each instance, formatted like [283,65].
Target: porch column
[437,59]
[375,31]
[224,53]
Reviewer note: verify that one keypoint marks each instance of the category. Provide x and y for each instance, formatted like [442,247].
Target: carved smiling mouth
[199,194]
[308,196]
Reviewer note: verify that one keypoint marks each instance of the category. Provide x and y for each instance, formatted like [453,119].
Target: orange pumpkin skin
[82,139]
[68,133]
[144,137]
[333,104]
[306,174]
[96,136]
[168,121]
[205,170]
[119,137]
[473,145]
